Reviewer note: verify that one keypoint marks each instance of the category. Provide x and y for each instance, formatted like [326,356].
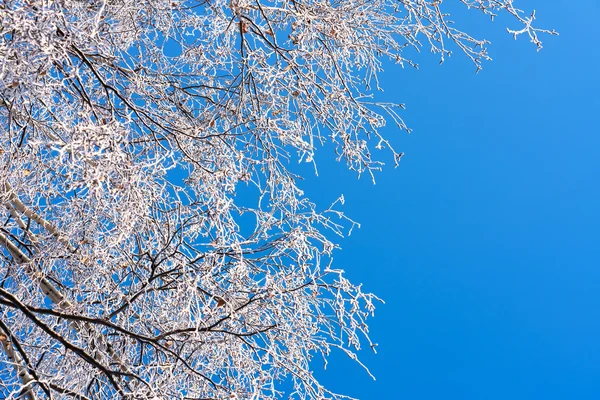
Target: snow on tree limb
[156,241]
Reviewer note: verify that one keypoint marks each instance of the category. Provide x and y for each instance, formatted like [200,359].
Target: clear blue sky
[484,243]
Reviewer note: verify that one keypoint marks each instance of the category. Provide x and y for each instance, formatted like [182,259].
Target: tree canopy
[129,267]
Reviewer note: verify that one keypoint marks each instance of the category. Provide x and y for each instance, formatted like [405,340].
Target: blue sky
[484,242]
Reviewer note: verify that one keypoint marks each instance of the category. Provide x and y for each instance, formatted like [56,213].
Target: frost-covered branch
[156,242]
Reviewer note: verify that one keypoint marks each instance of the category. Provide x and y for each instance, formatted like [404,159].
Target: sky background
[484,242]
